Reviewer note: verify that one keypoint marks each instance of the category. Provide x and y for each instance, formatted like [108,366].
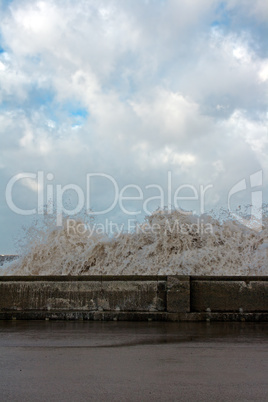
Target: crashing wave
[166,243]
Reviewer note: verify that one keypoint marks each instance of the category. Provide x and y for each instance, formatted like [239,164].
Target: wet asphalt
[128,361]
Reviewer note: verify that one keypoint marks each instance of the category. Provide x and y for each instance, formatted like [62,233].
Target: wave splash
[166,243]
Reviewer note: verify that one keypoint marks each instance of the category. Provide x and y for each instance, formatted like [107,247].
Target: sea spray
[165,243]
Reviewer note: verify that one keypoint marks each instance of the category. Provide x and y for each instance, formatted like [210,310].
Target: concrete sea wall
[160,298]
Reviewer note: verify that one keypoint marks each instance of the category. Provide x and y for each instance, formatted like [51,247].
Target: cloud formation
[134,90]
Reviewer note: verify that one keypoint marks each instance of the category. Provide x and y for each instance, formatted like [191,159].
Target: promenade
[131,361]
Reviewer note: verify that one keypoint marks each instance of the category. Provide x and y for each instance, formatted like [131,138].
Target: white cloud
[257,8]
[263,72]
[254,133]
[169,117]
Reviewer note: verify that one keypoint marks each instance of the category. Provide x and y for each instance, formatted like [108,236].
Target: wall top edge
[104,278]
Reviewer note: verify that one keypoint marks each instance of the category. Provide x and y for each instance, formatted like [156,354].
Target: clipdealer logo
[47,192]
[52,195]
[255,219]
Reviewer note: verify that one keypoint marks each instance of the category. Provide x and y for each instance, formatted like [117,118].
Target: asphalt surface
[119,361]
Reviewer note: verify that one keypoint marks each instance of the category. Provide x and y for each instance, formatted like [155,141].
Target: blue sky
[132,89]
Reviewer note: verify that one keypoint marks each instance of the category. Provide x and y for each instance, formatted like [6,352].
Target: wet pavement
[129,361]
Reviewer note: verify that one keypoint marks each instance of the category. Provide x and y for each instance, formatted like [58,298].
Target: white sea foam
[166,243]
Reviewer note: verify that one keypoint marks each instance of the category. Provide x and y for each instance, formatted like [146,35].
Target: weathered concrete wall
[178,294]
[231,294]
[172,298]
[83,295]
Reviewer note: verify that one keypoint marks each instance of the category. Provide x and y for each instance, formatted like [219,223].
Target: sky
[165,97]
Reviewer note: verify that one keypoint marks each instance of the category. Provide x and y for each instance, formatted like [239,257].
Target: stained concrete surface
[128,361]
[66,297]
